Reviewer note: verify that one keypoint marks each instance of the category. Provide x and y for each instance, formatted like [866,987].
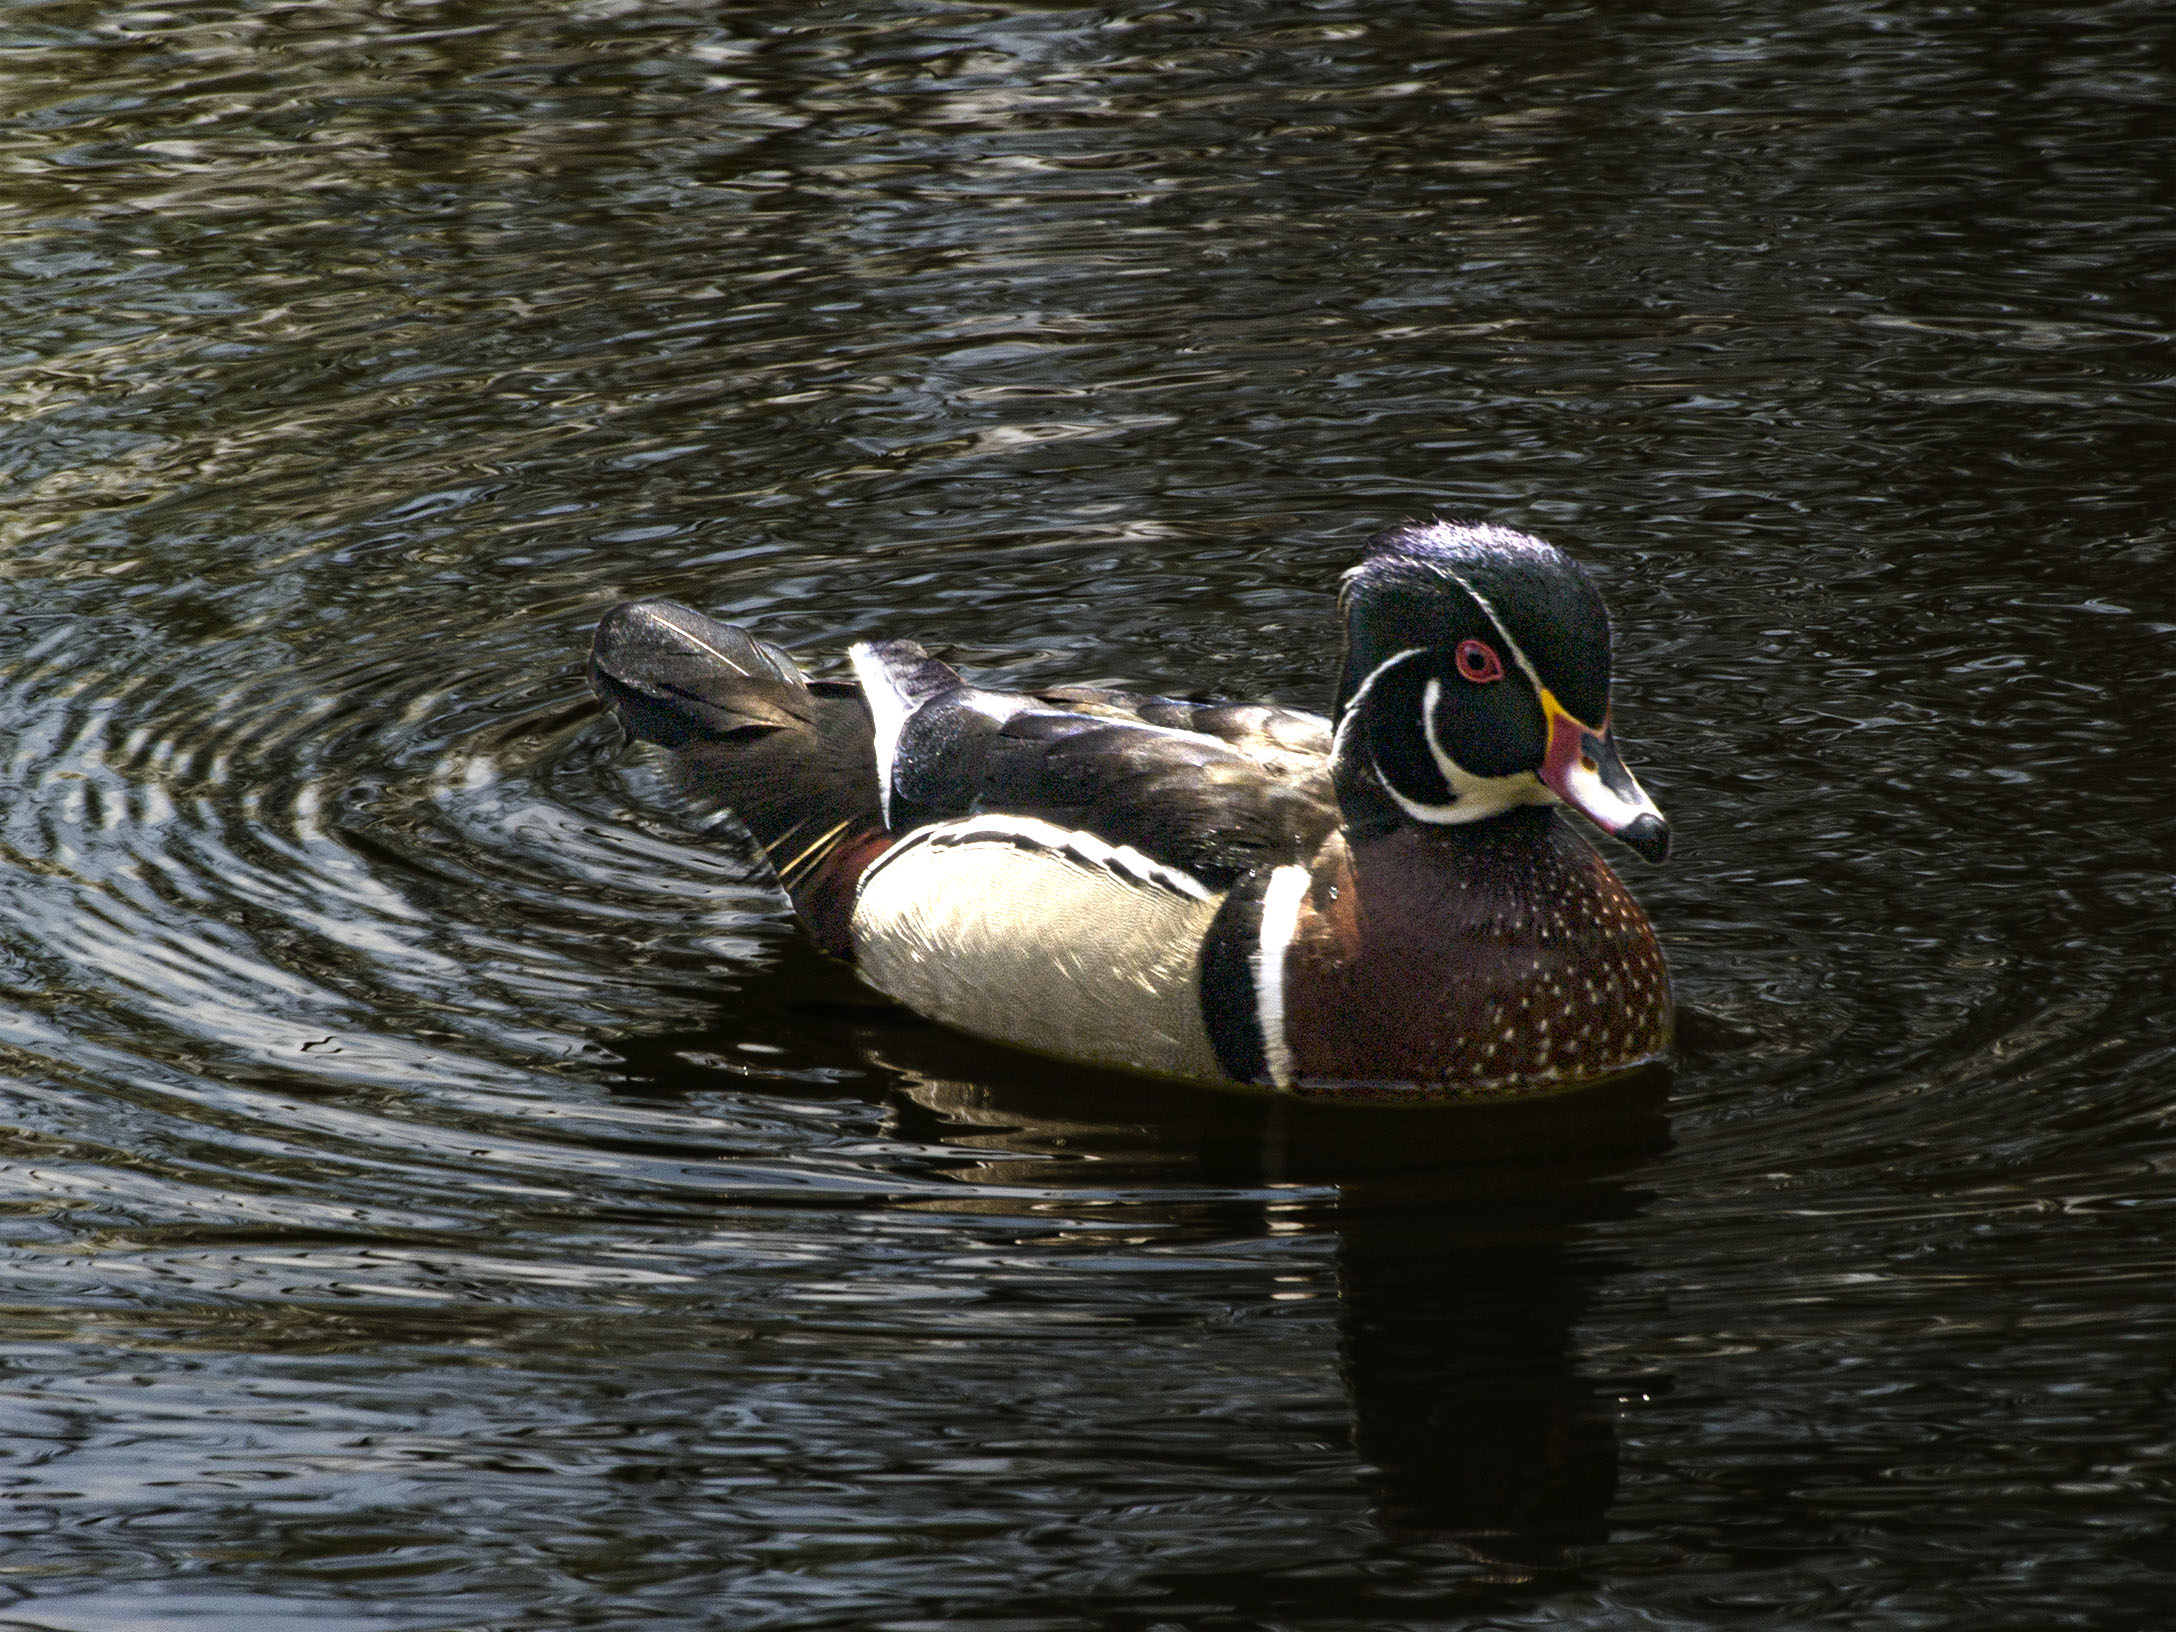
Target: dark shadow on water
[1455,1326]
[1463,1266]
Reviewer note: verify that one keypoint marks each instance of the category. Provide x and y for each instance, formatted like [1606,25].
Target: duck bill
[1584,770]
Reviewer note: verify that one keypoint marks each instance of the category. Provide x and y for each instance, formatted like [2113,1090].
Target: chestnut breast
[1495,956]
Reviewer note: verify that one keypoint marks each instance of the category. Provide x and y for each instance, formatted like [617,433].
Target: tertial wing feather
[1284,741]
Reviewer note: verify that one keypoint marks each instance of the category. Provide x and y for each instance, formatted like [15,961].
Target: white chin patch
[1473,798]
[1479,797]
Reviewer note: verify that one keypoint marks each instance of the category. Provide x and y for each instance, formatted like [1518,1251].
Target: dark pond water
[441,1191]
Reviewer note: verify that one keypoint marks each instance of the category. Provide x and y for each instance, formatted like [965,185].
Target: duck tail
[795,760]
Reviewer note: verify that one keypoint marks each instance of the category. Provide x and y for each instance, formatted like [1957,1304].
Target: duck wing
[1289,742]
[1215,790]
[827,775]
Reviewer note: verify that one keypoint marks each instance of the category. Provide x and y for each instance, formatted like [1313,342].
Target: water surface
[441,1190]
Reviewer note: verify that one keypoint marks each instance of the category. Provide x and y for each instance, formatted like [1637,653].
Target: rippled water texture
[440,1189]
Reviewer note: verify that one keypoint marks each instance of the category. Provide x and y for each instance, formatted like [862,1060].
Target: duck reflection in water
[1461,1272]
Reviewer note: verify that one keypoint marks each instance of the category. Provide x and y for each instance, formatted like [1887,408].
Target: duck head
[1476,680]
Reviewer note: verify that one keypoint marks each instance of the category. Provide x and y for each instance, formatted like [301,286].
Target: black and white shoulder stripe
[1031,834]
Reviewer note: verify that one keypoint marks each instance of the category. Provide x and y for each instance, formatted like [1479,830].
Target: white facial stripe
[1359,696]
[1488,608]
[888,708]
[1280,922]
[1486,795]
[1473,798]
[1431,695]
[1517,656]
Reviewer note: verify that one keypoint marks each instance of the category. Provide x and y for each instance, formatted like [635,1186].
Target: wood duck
[1382,904]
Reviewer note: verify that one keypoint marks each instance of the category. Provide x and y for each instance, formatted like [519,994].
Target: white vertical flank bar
[1280,920]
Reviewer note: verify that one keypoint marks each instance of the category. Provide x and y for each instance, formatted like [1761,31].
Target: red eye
[1478,662]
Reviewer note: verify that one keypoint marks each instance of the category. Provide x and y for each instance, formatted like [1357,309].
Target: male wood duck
[1382,904]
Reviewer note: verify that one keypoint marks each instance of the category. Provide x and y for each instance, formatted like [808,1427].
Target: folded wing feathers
[1143,785]
[1174,795]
